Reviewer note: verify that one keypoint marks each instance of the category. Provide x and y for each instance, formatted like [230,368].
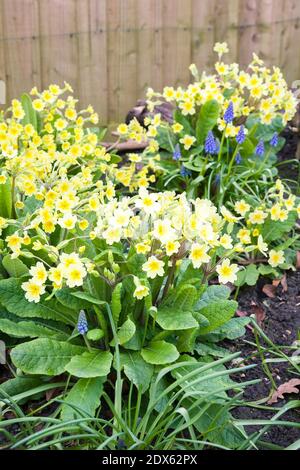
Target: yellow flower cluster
[260,90]
[39,156]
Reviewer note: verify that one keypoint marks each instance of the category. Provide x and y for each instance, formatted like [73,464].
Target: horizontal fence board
[110,51]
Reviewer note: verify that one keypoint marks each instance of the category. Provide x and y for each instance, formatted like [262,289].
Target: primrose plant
[224,137]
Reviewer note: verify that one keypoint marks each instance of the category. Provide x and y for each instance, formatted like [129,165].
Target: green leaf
[186,340]
[248,276]
[207,119]
[30,113]
[209,385]
[218,426]
[212,294]
[29,329]
[136,369]
[90,364]
[116,305]
[160,352]
[183,298]
[14,266]
[66,298]
[95,335]
[125,332]
[85,396]
[234,328]
[19,385]
[218,313]
[274,230]
[172,318]
[204,349]
[12,297]
[88,297]
[5,199]
[44,356]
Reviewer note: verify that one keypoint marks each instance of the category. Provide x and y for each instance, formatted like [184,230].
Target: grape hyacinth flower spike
[176,153]
[184,171]
[274,140]
[238,158]
[260,149]
[82,325]
[240,138]
[210,145]
[229,114]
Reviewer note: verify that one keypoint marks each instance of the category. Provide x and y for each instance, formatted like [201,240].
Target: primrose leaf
[85,396]
[12,297]
[171,318]
[207,119]
[14,266]
[138,371]
[212,294]
[44,356]
[218,313]
[5,199]
[90,364]
[160,352]
[248,276]
[125,332]
[30,113]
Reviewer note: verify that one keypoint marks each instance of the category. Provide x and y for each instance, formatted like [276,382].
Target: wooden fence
[110,51]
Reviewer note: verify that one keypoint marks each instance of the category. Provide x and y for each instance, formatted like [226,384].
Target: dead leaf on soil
[258,312]
[287,387]
[270,290]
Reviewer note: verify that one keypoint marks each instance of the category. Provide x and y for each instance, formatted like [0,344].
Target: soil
[281,324]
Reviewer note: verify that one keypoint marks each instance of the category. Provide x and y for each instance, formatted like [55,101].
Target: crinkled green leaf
[90,364]
[44,356]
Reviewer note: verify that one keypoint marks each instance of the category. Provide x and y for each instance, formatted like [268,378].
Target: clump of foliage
[224,138]
[109,290]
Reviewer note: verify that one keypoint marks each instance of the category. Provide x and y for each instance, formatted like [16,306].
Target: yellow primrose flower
[241,207]
[75,275]
[122,129]
[140,292]
[142,248]
[257,217]
[38,273]
[221,48]
[172,247]
[226,241]
[3,179]
[227,272]
[33,290]
[276,258]
[198,255]
[261,245]
[244,236]
[177,127]
[187,141]
[153,267]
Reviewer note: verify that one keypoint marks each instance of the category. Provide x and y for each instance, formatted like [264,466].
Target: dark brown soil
[281,325]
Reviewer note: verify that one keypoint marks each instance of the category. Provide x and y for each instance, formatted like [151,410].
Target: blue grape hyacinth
[82,324]
[274,140]
[229,114]
[238,158]
[260,149]
[176,153]
[210,145]
[184,171]
[240,138]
